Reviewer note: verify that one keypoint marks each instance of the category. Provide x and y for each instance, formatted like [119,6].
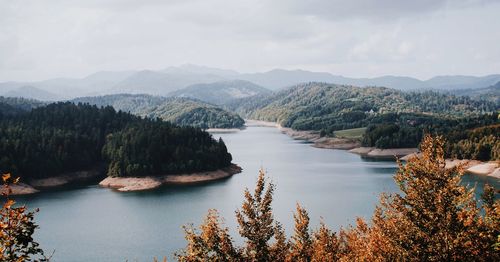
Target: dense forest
[12,105]
[64,137]
[491,93]
[329,107]
[181,111]
[394,119]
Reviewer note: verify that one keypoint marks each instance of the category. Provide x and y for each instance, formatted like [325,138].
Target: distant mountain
[171,79]
[222,92]
[182,111]
[200,70]
[31,92]
[161,83]
[278,78]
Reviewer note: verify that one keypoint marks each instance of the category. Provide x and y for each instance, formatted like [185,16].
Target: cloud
[43,39]
[373,10]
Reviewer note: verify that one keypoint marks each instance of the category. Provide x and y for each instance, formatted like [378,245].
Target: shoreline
[309,136]
[128,184]
[473,167]
[34,186]
[389,153]
[224,130]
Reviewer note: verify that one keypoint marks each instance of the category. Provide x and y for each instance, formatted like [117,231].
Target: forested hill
[64,137]
[181,111]
[20,104]
[320,106]
[394,119]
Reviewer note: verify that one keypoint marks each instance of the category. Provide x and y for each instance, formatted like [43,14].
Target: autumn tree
[280,248]
[435,218]
[300,244]
[256,222]
[17,227]
[325,245]
[213,243]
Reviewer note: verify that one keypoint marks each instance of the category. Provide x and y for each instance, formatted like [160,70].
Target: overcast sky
[364,38]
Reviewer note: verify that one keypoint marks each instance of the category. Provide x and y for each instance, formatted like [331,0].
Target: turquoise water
[97,224]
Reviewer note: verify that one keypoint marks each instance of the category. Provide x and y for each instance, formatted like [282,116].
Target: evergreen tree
[256,222]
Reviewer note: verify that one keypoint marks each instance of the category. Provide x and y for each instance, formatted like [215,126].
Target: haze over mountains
[194,79]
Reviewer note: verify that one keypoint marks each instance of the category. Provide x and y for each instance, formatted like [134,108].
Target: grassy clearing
[354,133]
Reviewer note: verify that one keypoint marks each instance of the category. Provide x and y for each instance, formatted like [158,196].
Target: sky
[41,39]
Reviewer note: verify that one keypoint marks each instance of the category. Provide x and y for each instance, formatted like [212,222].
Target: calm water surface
[97,224]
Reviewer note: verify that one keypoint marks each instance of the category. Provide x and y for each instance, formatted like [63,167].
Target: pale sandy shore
[309,136]
[474,167]
[390,153]
[67,178]
[223,130]
[19,189]
[252,122]
[471,166]
[125,184]
[36,185]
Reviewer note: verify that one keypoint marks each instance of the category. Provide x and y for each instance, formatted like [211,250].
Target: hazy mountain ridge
[222,92]
[31,92]
[171,79]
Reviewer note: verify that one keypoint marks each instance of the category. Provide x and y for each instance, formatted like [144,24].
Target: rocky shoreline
[36,185]
[126,184]
[313,137]
[223,130]
[389,153]
[473,167]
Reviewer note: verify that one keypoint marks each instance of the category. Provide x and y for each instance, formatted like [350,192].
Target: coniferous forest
[64,137]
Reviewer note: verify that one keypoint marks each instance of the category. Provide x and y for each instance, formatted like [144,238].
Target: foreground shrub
[434,218]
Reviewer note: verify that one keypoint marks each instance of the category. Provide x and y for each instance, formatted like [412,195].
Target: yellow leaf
[9,203]
[5,177]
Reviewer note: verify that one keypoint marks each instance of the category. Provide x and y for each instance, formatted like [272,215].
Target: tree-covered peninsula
[63,137]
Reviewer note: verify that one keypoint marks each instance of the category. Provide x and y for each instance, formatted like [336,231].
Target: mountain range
[170,80]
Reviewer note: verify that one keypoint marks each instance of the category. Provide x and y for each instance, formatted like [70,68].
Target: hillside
[221,93]
[317,106]
[21,104]
[63,137]
[491,93]
[393,118]
[181,111]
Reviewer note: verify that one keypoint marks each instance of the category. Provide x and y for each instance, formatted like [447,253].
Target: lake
[97,224]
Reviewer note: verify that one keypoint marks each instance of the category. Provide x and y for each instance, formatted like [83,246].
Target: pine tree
[280,248]
[301,243]
[255,219]
[325,245]
[213,243]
